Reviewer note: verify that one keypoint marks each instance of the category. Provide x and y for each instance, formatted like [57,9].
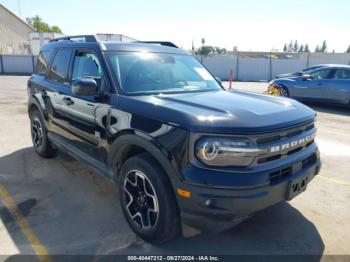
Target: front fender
[37,102]
[147,143]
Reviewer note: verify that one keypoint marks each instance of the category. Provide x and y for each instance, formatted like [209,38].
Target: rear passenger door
[58,90]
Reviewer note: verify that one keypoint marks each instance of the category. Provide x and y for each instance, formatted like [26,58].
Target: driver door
[315,85]
[86,131]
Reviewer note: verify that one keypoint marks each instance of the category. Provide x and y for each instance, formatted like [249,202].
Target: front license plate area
[297,186]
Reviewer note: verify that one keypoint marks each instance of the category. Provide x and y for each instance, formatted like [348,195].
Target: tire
[284,91]
[147,200]
[43,147]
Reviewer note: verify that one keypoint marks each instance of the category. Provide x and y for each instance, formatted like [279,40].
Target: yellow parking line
[39,249]
[335,180]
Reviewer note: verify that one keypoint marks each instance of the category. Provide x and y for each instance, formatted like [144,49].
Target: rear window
[43,61]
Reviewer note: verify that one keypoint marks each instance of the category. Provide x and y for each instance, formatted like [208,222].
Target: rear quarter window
[43,62]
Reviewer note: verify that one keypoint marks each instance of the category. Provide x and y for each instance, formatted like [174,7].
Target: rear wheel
[41,143]
[147,200]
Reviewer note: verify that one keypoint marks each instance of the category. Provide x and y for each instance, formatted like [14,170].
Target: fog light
[208,202]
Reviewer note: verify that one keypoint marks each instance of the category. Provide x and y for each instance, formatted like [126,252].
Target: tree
[306,48]
[205,50]
[210,50]
[220,51]
[324,47]
[301,49]
[41,26]
[317,49]
[348,50]
[296,46]
[285,47]
[290,46]
[203,41]
[56,29]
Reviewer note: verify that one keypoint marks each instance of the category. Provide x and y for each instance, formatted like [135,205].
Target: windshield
[309,69]
[142,72]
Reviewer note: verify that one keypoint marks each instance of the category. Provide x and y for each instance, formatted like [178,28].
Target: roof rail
[165,43]
[87,38]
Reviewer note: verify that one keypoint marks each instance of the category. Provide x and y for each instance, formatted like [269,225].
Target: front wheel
[283,91]
[41,143]
[147,200]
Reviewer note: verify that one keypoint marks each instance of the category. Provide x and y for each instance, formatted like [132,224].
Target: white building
[115,37]
[13,33]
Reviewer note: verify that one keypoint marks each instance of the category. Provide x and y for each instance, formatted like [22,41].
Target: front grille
[291,152]
[268,139]
[309,161]
[278,175]
[282,139]
[268,159]
[285,134]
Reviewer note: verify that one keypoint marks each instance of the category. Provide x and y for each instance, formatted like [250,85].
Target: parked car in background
[330,84]
[301,72]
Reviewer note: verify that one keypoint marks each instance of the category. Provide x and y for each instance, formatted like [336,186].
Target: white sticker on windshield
[203,73]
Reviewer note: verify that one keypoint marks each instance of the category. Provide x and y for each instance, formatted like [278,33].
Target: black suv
[182,149]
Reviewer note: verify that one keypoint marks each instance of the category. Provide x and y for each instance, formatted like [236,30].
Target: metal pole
[237,66]
[33,64]
[308,58]
[270,68]
[2,65]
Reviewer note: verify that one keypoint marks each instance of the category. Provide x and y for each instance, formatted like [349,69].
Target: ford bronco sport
[181,149]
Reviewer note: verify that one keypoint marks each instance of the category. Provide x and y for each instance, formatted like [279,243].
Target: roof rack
[87,38]
[164,43]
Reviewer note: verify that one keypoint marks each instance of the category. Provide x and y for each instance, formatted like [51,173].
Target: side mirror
[306,77]
[218,80]
[85,86]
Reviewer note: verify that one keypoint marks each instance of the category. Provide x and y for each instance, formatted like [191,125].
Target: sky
[251,25]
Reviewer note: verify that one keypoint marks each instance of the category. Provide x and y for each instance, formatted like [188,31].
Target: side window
[60,65]
[42,62]
[86,65]
[342,74]
[321,73]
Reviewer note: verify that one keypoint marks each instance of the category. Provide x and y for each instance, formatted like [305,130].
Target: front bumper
[214,209]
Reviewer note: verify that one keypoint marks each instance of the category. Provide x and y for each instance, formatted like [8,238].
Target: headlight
[222,151]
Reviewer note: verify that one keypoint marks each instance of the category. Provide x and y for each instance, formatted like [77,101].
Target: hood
[231,112]
[285,80]
[288,75]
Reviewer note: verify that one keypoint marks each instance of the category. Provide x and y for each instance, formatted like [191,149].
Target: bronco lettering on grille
[292,144]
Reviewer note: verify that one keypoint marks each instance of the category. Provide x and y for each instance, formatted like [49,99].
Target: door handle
[68,101]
